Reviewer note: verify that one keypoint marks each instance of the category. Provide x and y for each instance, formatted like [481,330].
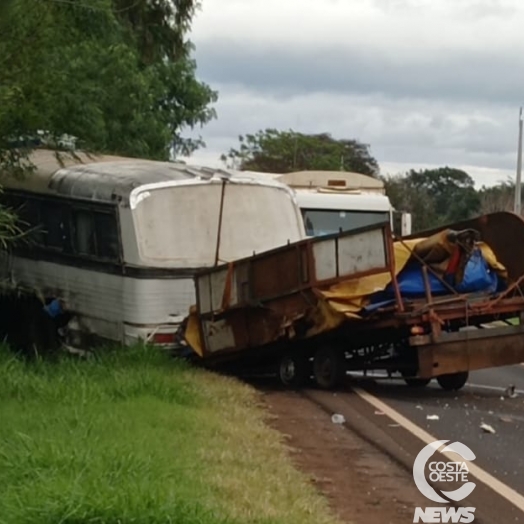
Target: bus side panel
[105,304]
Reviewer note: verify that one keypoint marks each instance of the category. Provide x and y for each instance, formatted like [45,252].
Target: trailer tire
[294,369]
[417,382]
[413,381]
[453,381]
[329,367]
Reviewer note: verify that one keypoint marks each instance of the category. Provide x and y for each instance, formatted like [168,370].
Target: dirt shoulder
[362,485]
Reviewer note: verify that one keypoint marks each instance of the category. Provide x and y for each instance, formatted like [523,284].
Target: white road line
[496,485]
[492,388]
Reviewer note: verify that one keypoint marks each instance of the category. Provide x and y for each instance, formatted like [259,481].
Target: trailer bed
[285,306]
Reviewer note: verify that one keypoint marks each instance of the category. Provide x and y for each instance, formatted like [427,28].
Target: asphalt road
[460,415]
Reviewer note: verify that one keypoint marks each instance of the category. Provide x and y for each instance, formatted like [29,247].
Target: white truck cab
[331,201]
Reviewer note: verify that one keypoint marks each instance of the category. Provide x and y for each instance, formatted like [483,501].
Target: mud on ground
[362,485]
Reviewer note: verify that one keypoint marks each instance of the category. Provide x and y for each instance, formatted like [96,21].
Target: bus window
[106,235]
[84,238]
[55,225]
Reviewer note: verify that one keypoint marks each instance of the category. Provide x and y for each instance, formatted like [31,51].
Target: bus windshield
[320,222]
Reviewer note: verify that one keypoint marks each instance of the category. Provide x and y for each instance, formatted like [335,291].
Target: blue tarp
[478,277]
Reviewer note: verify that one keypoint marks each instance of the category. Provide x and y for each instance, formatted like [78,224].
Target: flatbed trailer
[273,309]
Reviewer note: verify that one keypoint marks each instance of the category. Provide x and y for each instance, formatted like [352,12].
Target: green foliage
[498,198]
[286,151]
[133,436]
[405,197]
[113,73]
[434,196]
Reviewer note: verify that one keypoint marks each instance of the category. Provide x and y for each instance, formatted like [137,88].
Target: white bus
[118,240]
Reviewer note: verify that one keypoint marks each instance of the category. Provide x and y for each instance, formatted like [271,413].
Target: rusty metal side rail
[471,310]
[267,297]
[295,268]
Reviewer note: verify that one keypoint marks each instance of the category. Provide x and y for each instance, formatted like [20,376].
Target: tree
[286,151]
[404,196]
[434,196]
[497,198]
[116,74]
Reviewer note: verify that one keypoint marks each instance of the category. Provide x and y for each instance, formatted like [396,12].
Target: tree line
[115,74]
[434,197]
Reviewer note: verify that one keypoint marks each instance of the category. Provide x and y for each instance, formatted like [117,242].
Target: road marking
[492,388]
[491,482]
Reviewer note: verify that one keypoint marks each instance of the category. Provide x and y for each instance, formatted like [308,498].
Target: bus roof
[109,178]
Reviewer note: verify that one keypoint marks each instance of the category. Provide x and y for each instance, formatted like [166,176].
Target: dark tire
[329,368]
[294,369]
[413,381]
[453,381]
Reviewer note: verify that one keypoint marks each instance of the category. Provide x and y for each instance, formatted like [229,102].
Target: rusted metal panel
[294,268]
[326,259]
[471,350]
[219,335]
[502,231]
[267,297]
[361,253]
[348,256]
[204,293]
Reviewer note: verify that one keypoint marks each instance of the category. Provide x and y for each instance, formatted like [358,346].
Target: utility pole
[518,200]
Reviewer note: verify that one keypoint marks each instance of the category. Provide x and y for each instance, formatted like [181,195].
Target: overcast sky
[423,82]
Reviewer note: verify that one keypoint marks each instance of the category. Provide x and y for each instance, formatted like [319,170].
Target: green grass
[136,437]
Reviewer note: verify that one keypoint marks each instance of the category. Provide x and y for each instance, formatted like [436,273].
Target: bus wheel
[412,381]
[453,381]
[294,369]
[329,367]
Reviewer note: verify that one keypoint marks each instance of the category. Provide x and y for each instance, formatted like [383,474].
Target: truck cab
[331,201]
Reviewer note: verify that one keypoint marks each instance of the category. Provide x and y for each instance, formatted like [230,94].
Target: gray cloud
[424,82]
[462,76]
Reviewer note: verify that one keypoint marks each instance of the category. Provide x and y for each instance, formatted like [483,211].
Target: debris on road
[418,406]
[487,428]
[379,413]
[338,419]
[510,391]
[432,417]
[503,418]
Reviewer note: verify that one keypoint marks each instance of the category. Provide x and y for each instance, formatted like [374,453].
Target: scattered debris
[338,419]
[432,417]
[487,428]
[418,406]
[510,391]
[394,425]
[379,413]
[501,398]
[503,418]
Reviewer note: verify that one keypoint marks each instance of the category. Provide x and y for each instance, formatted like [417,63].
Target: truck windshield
[320,222]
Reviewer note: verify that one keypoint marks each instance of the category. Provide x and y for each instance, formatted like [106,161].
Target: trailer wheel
[328,367]
[417,382]
[294,369]
[453,381]
[412,381]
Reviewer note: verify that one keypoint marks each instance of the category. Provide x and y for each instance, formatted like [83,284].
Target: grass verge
[135,437]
